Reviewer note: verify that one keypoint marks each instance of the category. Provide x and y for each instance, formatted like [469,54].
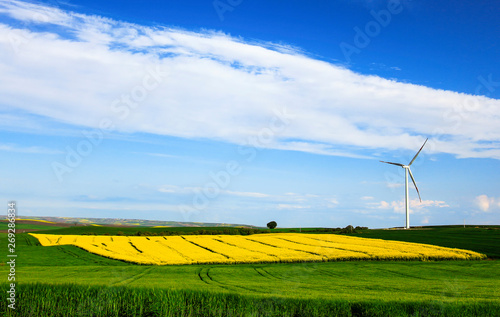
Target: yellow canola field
[258,248]
[45,221]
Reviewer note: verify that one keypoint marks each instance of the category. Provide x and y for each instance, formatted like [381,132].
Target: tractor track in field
[260,273]
[79,257]
[133,278]
[402,274]
[28,241]
[272,276]
[208,274]
[199,272]
[204,275]
[328,273]
[466,273]
[69,274]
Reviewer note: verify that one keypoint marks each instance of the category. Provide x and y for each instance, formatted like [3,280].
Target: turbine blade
[398,164]
[418,152]
[414,183]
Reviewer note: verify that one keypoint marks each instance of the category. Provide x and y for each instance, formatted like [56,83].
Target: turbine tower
[408,170]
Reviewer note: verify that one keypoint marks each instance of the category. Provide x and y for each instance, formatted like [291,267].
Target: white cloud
[211,85]
[378,205]
[170,189]
[483,202]
[318,201]
[101,205]
[415,205]
[383,205]
[487,204]
[173,189]
[284,201]
[246,194]
[367,198]
[394,185]
[333,201]
[29,12]
[29,150]
[160,155]
[290,206]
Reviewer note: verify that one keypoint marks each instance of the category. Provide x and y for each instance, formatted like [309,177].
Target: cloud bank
[83,70]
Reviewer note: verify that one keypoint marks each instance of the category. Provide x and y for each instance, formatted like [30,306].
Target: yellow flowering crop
[273,247]
[39,220]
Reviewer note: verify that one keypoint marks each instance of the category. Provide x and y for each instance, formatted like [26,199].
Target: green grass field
[20,227]
[483,239]
[67,281]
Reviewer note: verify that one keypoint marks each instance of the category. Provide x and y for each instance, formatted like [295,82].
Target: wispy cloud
[115,204]
[29,149]
[277,201]
[218,87]
[246,194]
[172,189]
[394,185]
[160,155]
[415,205]
[290,206]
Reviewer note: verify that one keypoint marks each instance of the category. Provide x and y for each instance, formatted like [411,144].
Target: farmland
[278,247]
[483,239]
[50,275]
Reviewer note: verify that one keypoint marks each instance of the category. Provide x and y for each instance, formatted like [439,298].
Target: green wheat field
[68,281]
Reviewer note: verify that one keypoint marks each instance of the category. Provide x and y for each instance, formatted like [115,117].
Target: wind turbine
[408,170]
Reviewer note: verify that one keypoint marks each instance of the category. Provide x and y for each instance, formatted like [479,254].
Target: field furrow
[233,253]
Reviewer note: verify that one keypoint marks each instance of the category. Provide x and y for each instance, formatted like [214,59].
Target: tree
[348,229]
[272,225]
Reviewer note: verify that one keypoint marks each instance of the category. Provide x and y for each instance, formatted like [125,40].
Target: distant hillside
[127,222]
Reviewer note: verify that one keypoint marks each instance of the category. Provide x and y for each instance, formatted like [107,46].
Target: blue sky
[251,111]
